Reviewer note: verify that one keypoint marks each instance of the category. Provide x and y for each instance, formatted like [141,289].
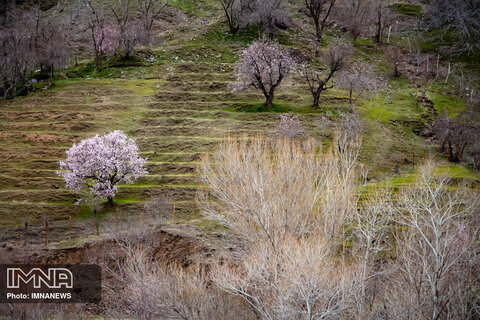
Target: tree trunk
[318,30]
[316,100]
[110,200]
[269,101]
[350,101]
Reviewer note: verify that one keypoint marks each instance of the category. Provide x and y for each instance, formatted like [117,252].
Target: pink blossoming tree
[95,166]
[264,65]
[107,40]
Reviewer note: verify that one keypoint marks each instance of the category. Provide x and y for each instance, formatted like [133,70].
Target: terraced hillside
[174,118]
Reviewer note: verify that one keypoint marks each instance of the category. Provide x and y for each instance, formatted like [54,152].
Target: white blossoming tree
[263,65]
[95,166]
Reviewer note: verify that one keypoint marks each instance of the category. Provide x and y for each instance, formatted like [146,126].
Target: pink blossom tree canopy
[107,40]
[264,65]
[95,166]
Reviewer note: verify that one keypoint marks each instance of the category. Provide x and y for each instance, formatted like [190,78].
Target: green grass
[278,107]
[457,172]
[408,9]
[197,8]
[443,103]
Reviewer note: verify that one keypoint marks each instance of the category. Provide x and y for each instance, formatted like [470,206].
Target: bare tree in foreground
[300,280]
[149,289]
[289,206]
[264,65]
[319,81]
[437,262]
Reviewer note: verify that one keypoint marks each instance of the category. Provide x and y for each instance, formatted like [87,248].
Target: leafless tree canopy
[355,16]
[454,135]
[29,39]
[267,14]
[321,80]
[436,274]
[319,10]
[462,17]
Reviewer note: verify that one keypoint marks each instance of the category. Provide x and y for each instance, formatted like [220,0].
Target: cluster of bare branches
[146,289]
[319,80]
[436,271]
[454,135]
[268,15]
[131,22]
[461,18]
[29,40]
[289,205]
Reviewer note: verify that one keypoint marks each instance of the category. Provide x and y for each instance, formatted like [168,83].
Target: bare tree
[96,23]
[150,10]
[461,17]
[354,16]
[436,254]
[357,80]
[299,280]
[233,12]
[14,61]
[289,207]
[263,65]
[290,127]
[319,81]
[30,40]
[454,134]
[130,28]
[267,14]
[382,16]
[319,10]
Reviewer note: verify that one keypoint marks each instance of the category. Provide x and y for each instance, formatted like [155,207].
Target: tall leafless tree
[437,261]
[319,10]
[321,80]
[150,11]
[354,16]
[382,16]
[233,12]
